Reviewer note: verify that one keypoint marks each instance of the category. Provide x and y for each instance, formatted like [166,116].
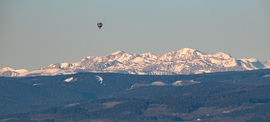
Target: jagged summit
[187,50]
[184,61]
[149,55]
[190,51]
[222,55]
[118,53]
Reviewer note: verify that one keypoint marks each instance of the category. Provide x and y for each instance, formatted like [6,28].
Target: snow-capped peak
[10,72]
[266,64]
[118,53]
[184,61]
[250,60]
[189,51]
[6,69]
[11,69]
[181,55]
[222,55]
[149,55]
[186,50]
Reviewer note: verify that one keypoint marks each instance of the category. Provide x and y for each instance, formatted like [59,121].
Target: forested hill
[221,103]
[214,92]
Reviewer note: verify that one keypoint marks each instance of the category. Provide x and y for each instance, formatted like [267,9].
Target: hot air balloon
[99,25]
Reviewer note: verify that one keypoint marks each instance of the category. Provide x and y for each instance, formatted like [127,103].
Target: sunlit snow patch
[184,82]
[158,83]
[70,105]
[99,79]
[68,79]
[36,84]
[136,85]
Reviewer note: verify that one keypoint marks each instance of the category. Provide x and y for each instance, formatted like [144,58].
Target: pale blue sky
[36,33]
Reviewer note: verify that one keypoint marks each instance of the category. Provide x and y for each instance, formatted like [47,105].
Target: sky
[37,33]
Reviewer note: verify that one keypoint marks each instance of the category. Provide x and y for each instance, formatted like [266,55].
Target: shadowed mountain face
[184,61]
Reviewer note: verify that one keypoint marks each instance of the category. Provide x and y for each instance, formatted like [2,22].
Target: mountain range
[184,61]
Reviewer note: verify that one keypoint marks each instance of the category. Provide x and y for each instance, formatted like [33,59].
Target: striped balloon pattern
[99,25]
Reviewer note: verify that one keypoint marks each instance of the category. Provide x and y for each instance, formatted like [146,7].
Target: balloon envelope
[99,25]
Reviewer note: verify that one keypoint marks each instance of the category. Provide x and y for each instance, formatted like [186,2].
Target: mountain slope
[219,103]
[21,94]
[184,61]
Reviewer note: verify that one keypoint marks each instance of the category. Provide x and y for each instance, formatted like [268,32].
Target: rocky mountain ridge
[184,61]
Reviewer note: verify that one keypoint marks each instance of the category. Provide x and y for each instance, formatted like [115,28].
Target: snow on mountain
[68,79]
[37,84]
[48,72]
[61,66]
[10,72]
[184,61]
[99,79]
[266,64]
[251,64]
[184,82]
[158,83]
